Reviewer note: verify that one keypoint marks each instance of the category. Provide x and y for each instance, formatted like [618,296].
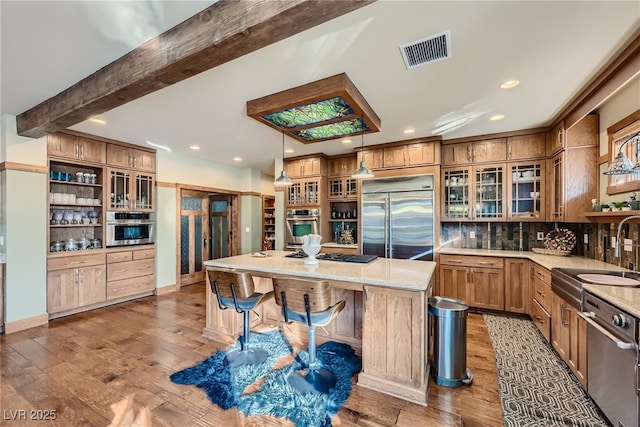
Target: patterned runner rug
[536,387]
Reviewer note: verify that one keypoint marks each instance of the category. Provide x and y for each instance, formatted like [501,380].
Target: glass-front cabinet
[130,190]
[474,193]
[304,192]
[526,191]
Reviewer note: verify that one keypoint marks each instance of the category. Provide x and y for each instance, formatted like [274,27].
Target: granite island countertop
[390,273]
[625,298]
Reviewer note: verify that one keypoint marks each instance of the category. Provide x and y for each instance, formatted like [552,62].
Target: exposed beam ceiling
[223,32]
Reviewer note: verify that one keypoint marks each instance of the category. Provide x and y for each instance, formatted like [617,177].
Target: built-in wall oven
[299,223]
[130,228]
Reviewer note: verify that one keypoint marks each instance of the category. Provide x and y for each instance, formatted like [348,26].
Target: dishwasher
[612,360]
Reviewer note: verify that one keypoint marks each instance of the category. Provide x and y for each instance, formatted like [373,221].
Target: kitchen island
[385,317]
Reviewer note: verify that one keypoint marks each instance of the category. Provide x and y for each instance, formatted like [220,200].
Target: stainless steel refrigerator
[397,217]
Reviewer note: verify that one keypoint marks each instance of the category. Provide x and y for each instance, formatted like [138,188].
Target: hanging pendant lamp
[363,172]
[283,180]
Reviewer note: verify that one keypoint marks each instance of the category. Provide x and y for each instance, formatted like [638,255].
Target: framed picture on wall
[618,135]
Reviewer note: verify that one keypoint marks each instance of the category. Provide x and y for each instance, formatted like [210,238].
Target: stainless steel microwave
[299,223]
[130,228]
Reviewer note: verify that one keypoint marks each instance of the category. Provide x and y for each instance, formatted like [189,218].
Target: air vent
[430,49]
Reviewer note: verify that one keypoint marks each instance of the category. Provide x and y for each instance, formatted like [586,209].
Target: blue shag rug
[225,386]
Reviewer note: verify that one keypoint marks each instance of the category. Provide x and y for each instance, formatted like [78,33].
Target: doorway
[207,231]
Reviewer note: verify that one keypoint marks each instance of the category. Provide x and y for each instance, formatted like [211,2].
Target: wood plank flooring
[79,365]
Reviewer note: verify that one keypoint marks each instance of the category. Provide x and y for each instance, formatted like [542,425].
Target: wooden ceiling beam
[224,31]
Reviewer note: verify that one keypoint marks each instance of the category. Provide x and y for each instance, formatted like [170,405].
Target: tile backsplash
[514,236]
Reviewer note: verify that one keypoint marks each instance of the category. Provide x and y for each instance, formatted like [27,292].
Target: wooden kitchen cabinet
[481,151]
[372,157]
[344,188]
[130,272]
[130,190]
[306,192]
[584,133]
[571,185]
[132,158]
[74,282]
[343,165]
[474,193]
[555,139]
[526,191]
[422,153]
[74,147]
[301,167]
[568,337]
[477,280]
[399,317]
[541,301]
[523,147]
[516,285]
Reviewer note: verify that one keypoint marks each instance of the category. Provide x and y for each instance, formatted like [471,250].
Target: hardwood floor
[79,365]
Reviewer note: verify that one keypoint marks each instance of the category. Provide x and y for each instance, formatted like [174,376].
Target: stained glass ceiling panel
[325,109]
[313,113]
[332,130]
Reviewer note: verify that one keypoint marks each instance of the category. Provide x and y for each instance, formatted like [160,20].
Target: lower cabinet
[477,280]
[541,303]
[74,282]
[516,285]
[130,272]
[569,337]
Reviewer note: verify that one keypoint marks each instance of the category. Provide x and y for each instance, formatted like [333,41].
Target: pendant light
[363,172]
[621,164]
[283,180]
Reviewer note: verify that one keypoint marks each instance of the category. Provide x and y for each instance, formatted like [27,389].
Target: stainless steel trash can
[448,341]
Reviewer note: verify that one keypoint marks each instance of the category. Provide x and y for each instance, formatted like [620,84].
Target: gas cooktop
[361,259]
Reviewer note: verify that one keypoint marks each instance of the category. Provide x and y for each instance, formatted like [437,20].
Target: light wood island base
[384,320]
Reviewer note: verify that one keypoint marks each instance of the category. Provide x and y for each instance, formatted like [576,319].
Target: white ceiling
[552,47]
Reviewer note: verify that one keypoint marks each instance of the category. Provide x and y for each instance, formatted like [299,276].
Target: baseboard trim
[166,290]
[22,324]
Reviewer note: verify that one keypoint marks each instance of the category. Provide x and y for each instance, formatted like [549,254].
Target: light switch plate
[540,235]
[586,238]
[613,242]
[628,245]
[472,234]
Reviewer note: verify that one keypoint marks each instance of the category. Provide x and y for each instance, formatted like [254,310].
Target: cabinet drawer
[126,287]
[129,269]
[119,257]
[75,261]
[542,319]
[144,254]
[541,273]
[542,293]
[472,261]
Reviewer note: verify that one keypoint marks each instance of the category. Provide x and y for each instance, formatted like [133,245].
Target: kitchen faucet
[616,251]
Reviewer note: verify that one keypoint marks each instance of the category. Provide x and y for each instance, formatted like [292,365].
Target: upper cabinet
[343,165]
[555,139]
[481,151]
[523,147]
[77,148]
[474,193]
[526,191]
[411,153]
[584,133]
[131,158]
[571,173]
[130,190]
[315,165]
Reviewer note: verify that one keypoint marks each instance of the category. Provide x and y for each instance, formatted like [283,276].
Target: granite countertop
[624,297]
[389,273]
[339,245]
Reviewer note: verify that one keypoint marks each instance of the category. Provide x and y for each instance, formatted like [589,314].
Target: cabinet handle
[76,262]
[75,277]
[509,155]
[119,271]
[486,262]
[82,152]
[455,260]
[82,276]
[146,267]
[75,151]
[469,154]
[539,319]
[542,294]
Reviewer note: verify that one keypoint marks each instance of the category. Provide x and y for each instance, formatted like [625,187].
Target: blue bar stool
[236,290]
[309,302]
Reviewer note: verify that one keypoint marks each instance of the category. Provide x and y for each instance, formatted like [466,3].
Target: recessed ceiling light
[237,159]
[289,150]
[407,131]
[195,147]
[98,121]
[346,141]
[496,117]
[509,84]
[159,146]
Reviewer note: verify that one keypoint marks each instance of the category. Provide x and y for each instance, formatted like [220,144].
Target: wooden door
[578,346]
[118,155]
[194,236]
[422,153]
[62,290]
[91,151]
[526,146]
[373,158]
[61,145]
[393,157]
[453,281]
[490,150]
[456,154]
[92,285]
[224,226]
[560,326]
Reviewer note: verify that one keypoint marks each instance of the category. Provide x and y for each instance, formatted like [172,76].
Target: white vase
[311,247]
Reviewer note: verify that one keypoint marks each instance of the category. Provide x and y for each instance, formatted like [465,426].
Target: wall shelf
[612,217]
